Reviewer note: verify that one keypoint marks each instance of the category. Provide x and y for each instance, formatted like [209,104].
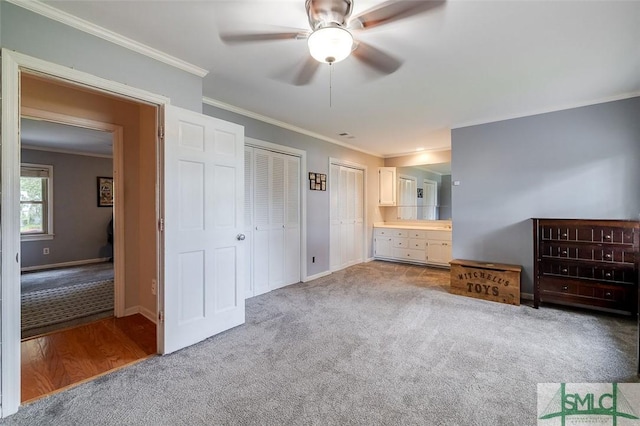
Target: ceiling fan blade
[391,11]
[376,58]
[233,38]
[307,71]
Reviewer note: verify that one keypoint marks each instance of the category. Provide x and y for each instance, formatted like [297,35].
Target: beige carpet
[375,344]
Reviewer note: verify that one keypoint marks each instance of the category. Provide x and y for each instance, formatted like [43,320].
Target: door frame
[13,63]
[365,233]
[118,174]
[269,146]
[426,182]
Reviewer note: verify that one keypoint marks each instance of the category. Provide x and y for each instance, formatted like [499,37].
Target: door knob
[240,237]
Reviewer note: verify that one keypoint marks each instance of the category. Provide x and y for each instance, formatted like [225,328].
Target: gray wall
[79,225]
[445,197]
[318,154]
[34,35]
[577,163]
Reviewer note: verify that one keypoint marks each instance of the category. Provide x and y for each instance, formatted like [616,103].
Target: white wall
[80,226]
[577,163]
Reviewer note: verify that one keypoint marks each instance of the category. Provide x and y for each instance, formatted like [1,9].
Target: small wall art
[105,191]
[317,181]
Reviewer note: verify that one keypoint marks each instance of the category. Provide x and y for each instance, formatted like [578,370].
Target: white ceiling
[46,135]
[466,62]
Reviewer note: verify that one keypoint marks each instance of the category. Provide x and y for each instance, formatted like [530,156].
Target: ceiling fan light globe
[330,44]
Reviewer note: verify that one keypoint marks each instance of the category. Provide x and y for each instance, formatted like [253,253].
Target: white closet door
[359,217]
[334,217]
[346,216]
[292,222]
[276,234]
[342,208]
[261,222]
[248,220]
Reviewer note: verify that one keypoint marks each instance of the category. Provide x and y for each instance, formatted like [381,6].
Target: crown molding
[422,151]
[620,97]
[231,108]
[88,27]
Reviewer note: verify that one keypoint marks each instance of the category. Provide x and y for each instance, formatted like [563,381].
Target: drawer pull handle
[565,288]
[607,294]
[565,270]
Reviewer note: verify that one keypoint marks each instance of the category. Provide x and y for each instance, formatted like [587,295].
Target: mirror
[423,192]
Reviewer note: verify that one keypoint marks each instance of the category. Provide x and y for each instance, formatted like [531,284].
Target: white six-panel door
[203,247]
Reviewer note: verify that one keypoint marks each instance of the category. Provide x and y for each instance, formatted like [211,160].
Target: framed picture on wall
[105,191]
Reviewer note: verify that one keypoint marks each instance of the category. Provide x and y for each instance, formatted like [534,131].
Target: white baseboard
[370,259]
[65,264]
[316,276]
[148,314]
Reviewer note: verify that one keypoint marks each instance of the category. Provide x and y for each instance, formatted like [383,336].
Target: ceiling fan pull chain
[330,83]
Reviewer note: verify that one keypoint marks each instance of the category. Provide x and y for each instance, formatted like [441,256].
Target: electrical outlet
[154,287]
[45,250]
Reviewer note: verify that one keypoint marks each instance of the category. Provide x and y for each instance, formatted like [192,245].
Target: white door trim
[118,174]
[12,64]
[358,166]
[257,143]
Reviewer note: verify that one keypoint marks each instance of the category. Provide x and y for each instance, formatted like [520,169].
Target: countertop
[396,225]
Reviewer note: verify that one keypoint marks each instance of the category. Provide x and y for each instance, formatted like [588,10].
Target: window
[36,202]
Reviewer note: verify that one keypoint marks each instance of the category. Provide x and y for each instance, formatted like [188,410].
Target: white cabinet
[387,186]
[431,247]
[438,252]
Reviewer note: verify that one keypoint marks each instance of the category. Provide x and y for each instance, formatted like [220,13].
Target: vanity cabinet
[387,186]
[422,246]
[591,263]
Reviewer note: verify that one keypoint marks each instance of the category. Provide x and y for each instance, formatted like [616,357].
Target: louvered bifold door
[334,217]
[359,217]
[248,220]
[276,235]
[292,222]
[261,221]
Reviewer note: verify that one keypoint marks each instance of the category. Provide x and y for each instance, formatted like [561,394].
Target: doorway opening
[88,207]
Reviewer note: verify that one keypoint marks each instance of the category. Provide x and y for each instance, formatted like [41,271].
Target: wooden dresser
[588,263]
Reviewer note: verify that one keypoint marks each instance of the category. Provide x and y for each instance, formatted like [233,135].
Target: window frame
[48,204]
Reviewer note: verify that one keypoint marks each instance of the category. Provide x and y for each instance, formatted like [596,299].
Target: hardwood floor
[64,358]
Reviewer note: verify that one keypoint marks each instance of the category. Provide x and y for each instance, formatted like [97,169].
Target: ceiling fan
[330,38]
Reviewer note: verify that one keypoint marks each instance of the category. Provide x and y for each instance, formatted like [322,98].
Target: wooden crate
[497,282]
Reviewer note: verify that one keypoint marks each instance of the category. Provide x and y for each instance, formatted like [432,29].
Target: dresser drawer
[589,252]
[384,232]
[622,297]
[409,255]
[613,273]
[596,234]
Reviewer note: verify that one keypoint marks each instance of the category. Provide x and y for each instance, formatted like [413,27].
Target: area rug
[59,306]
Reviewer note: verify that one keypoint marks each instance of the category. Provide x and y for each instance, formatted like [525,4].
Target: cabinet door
[438,252]
[383,246]
[387,186]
